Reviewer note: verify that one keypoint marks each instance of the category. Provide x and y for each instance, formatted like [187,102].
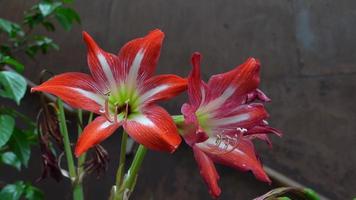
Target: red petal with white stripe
[103,66]
[76,89]
[162,87]
[94,133]
[241,156]
[139,57]
[207,171]
[155,129]
[241,80]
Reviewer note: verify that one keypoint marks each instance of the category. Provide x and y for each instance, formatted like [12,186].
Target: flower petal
[162,87]
[241,156]
[77,89]
[207,171]
[138,58]
[235,84]
[103,66]
[94,133]
[192,132]
[155,129]
[243,116]
[194,81]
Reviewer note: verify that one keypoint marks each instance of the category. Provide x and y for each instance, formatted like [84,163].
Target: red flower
[123,90]
[221,121]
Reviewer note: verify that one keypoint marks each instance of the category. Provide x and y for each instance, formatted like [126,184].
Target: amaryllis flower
[122,90]
[220,121]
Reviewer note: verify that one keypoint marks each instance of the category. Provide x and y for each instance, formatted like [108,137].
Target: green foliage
[7,125]
[16,39]
[19,35]
[20,189]
[9,158]
[12,85]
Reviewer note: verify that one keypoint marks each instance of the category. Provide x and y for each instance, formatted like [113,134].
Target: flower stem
[131,176]
[121,169]
[81,159]
[64,132]
[77,188]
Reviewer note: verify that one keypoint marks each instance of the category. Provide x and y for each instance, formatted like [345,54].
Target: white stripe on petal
[135,66]
[106,69]
[231,120]
[153,92]
[91,95]
[143,120]
[216,103]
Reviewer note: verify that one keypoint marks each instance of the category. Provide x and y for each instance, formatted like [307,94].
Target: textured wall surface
[308,55]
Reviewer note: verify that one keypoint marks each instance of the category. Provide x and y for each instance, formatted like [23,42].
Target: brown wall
[308,55]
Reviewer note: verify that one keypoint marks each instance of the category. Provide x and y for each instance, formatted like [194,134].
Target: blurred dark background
[308,54]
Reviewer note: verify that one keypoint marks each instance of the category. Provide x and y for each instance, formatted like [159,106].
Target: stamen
[106,113]
[228,140]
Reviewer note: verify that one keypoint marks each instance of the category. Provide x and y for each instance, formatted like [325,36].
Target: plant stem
[131,176]
[81,158]
[77,187]
[121,169]
[67,147]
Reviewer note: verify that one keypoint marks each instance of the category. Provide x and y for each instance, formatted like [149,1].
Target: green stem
[131,175]
[64,132]
[81,159]
[77,187]
[121,169]
[78,193]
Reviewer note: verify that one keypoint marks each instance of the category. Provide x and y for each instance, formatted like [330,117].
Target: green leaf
[311,194]
[66,17]
[15,64]
[7,124]
[46,8]
[9,158]
[33,193]
[5,25]
[12,191]
[67,1]
[12,85]
[284,198]
[12,29]
[20,145]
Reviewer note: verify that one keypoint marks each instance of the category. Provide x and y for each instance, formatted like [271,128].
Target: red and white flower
[122,90]
[220,121]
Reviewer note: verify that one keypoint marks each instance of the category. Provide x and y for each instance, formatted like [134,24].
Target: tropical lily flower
[220,121]
[122,90]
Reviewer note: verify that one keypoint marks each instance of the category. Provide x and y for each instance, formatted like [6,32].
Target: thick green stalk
[77,188]
[131,176]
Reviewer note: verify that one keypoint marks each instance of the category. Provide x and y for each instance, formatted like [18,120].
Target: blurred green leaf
[15,64]
[12,85]
[7,125]
[9,158]
[46,8]
[67,1]
[66,17]
[5,25]
[33,193]
[12,191]
[311,194]
[20,189]
[49,26]
[11,28]
[284,198]
[20,145]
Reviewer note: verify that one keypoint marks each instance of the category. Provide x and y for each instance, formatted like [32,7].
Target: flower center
[121,105]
